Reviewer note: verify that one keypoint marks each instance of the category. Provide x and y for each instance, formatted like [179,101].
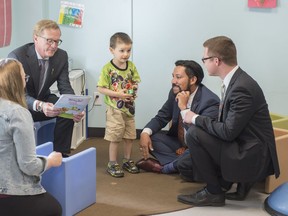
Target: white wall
[164,31]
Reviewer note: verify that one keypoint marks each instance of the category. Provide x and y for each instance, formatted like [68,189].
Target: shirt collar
[39,56]
[229,76]
[191,97]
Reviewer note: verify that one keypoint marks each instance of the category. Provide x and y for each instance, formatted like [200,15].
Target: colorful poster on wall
[5,23]
[71,14]
[262,3]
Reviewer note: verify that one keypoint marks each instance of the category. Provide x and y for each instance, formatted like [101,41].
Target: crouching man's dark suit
[240,147]
[205,103]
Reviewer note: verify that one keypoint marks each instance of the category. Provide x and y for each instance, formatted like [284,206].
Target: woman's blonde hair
[11,81]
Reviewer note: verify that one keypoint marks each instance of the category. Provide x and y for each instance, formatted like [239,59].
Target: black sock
[214,189]
[225,185]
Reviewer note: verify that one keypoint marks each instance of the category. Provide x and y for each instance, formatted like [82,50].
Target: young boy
[119,83]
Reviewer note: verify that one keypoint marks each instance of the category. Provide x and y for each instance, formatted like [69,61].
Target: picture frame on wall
[71,14]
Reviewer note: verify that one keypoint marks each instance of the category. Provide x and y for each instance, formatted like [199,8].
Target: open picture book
[72,104]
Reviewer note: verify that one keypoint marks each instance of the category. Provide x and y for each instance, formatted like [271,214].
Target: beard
[177,89]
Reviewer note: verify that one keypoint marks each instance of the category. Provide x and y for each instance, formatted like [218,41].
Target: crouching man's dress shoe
[149,165]
[241,192]
[203,198]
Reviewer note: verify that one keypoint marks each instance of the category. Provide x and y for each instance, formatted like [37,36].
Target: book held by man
[72,104]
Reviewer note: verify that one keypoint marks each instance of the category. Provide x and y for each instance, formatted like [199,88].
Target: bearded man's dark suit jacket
[57,71]
[205,102]
[241,146]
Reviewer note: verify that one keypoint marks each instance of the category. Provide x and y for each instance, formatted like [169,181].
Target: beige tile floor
[253,205]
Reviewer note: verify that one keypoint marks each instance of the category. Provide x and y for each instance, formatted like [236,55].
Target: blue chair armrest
[73,184]
[45,149]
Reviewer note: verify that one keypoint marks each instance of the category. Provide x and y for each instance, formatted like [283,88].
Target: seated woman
[20,190]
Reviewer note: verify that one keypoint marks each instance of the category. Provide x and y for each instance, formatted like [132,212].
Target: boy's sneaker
[115,170]
[130,166]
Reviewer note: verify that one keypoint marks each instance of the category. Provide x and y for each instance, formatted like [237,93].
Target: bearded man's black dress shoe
[241,192]
[203,198]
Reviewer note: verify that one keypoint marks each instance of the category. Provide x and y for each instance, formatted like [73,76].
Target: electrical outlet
[97,98]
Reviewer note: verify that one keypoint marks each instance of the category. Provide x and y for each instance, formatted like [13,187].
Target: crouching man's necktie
[181,130]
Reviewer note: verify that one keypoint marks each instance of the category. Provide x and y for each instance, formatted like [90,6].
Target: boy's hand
[125,96]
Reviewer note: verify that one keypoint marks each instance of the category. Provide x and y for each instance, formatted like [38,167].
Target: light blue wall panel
[23,19]
[164,31]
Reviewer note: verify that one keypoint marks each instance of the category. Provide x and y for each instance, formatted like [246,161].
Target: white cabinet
[77,80]
[79,133]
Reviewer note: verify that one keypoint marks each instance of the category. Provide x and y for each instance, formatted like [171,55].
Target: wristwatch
[39,107]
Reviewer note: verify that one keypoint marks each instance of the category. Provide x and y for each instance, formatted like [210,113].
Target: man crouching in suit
[170,149]
[240,145]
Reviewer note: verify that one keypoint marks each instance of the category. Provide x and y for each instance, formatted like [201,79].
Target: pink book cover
[262,3]
[5,22]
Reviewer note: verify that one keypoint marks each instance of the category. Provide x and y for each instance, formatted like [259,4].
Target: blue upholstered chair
[276,203]
[44,131]
[73,184]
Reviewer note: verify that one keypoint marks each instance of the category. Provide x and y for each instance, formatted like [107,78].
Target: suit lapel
[196,99]
[232,82]
[50,72]
[33,63]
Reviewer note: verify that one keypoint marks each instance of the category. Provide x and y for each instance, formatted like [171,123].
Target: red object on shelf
[262,3]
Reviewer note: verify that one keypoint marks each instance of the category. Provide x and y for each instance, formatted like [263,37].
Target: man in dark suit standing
[187,93]
[240,145]
[45,64]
